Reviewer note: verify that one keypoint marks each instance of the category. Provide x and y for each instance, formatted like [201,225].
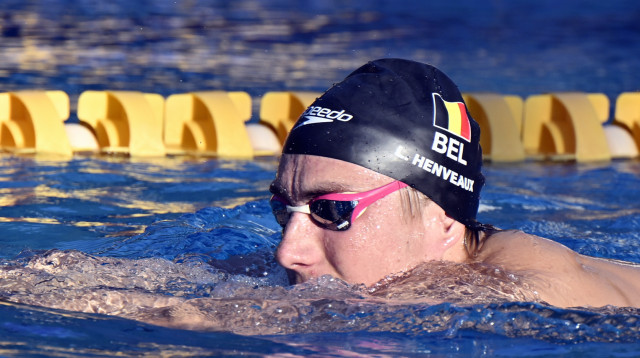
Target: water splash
[200,297]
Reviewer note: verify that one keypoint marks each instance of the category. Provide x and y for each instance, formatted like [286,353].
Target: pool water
[198,235]
[101,200]
[121,235]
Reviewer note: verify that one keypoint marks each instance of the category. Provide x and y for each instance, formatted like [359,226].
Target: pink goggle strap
[365,198]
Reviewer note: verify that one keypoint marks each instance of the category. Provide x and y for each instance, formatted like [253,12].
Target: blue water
[147,210]
[210,218]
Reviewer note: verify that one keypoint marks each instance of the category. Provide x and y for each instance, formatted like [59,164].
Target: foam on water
[199,297]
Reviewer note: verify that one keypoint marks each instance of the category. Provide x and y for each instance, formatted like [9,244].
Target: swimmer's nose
[301,248]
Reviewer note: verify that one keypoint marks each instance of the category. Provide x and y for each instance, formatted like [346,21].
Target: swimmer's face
[379,242]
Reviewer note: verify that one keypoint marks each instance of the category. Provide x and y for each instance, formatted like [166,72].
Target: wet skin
[561,276]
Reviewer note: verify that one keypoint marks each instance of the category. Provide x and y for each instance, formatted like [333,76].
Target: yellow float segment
[209,123]
[499,134]
[33,122]
[564,126]
[125,121]
[516,106]
[601,105]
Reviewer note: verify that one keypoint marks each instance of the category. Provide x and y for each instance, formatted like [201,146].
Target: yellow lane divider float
[500,120]
[124,122]
[33,122]
[554,126]
[208,123]
[565,126]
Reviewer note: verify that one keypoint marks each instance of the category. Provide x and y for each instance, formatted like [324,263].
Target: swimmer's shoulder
[520,249]
[531,256]
[561,276]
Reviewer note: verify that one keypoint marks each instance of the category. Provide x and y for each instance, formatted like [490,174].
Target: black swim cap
[403,119]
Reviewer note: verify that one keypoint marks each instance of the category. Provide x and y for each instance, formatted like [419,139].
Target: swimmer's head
[406,120]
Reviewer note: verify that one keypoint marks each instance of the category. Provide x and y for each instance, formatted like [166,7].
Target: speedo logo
[317,114]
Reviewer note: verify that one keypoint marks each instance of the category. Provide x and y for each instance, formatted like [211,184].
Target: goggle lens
[333,214]
[330,214]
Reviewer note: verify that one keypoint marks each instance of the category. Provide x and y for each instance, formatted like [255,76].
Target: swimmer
[382,175]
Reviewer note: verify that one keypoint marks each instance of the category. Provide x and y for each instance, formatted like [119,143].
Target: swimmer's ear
[454,243]
[452,231]
[445,234]
[451,225]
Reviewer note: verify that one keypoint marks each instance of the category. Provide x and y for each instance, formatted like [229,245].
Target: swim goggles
[333,211]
